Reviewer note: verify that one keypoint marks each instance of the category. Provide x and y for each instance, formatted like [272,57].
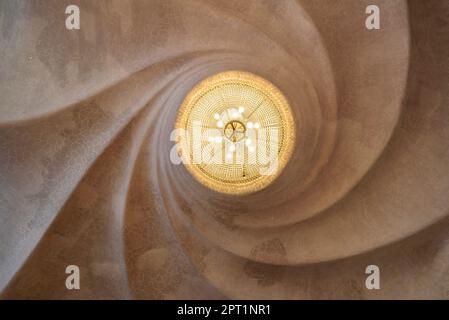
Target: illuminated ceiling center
[238,132]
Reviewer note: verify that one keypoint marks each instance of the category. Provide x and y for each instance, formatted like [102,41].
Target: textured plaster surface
[86,178]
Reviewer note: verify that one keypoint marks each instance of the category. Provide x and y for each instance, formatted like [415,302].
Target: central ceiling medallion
[235,132]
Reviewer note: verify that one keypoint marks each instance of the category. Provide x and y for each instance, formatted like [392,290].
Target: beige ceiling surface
[86,176]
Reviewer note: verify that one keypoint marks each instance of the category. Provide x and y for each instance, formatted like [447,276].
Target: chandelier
[235,132]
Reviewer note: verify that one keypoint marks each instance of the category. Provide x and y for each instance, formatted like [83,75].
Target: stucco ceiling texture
[86,177]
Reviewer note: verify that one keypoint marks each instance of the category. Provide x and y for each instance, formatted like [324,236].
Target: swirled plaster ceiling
[86,176]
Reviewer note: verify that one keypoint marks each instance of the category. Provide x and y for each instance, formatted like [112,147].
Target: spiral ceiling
[86,177]
[234,132]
